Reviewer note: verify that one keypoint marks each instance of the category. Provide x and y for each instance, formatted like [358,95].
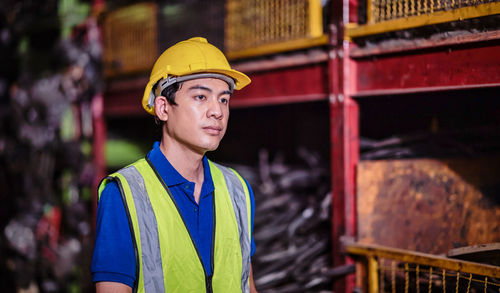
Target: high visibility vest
[167,259]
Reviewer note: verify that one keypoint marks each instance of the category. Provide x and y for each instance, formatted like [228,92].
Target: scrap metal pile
[468,142]
[46,169]
[292,226]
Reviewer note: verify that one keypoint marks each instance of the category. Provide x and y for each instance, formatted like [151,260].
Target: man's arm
[112,287]
[252,284]
[252,243]
[113,259]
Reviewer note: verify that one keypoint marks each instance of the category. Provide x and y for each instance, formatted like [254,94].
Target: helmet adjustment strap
[170,80]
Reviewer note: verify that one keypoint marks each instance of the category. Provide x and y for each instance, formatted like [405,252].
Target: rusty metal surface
[429,205]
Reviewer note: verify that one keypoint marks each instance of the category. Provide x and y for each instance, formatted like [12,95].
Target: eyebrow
[200,87]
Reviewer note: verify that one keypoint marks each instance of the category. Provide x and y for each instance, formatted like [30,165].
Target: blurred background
[370,135]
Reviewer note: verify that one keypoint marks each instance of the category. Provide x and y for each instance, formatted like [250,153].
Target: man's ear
[161,108]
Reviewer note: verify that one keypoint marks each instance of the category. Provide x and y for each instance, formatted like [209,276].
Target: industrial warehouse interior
[369,139]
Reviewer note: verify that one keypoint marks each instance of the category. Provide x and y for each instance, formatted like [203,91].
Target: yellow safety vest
[167,258]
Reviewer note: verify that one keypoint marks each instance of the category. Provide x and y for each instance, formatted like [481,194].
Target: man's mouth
[212,129]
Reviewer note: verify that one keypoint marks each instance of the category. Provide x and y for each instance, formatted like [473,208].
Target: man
[175,221]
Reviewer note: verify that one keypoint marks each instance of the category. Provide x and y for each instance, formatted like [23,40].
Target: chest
[197,216]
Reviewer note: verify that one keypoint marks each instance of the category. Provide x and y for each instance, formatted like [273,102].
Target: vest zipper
[208,283]
[209,286]
[208,279]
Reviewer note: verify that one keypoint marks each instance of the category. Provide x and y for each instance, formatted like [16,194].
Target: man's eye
[224,100]
[200,97]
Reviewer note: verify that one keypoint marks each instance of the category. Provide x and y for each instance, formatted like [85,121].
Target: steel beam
[287,85]
[469,66]
[344,125]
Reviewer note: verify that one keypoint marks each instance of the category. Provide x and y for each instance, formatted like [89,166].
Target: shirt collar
[170,175]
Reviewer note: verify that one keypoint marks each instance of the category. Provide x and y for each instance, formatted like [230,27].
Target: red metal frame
[345,155]
[437,69]
[293,84]
[344,119]
[124,103]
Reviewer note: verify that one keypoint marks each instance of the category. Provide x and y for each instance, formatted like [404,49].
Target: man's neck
[187,162]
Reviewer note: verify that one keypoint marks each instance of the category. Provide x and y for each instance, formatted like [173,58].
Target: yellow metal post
[372,275]
[370,10]
[315,18]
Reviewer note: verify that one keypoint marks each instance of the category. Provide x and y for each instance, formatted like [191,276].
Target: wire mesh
[383,10]
[396,276]
[130,39]
[253,23]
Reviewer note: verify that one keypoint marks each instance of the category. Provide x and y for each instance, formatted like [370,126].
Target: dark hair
[169,93]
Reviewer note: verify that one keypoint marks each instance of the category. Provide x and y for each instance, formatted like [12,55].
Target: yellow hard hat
[193,58]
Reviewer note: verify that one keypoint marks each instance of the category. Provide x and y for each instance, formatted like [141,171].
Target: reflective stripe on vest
[241,206]
[167,257]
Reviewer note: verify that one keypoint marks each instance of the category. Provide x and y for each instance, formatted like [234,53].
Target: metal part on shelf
[291,225]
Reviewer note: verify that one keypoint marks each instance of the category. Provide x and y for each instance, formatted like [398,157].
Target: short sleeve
[113,259]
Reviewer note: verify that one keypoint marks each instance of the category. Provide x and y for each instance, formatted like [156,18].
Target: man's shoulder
[137,164]
[231,172]
[225,169]
[110,182]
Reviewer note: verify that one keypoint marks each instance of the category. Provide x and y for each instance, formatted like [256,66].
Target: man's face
[199,119]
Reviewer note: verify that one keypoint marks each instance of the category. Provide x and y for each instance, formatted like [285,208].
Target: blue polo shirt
[114,257]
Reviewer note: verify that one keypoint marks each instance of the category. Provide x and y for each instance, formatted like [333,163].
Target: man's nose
[215,109]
